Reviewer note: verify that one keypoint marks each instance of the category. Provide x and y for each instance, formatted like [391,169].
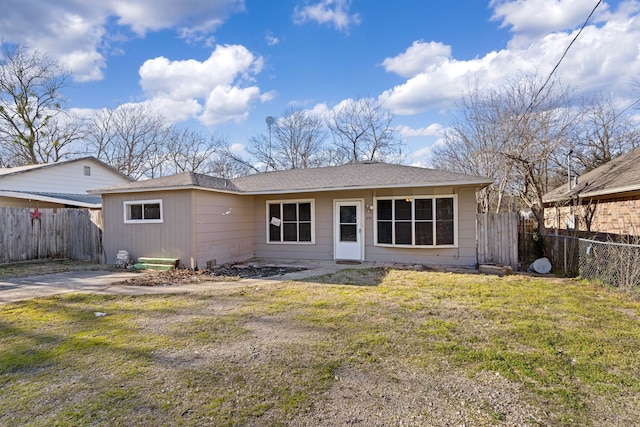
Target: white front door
[348,234]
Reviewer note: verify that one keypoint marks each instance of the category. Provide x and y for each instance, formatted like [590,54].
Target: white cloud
[272,40]
[419,57]
[189,16]
[228,103]
[422,156]
[214,90]
[332,12]
[237,148]
[543,16]
[75,31]
[434,129]
[591,64]
[320,110]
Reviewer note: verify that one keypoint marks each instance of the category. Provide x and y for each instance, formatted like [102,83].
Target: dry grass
[47,266]
[368,347]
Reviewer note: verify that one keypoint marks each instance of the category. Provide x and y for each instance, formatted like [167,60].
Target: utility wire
[563,55]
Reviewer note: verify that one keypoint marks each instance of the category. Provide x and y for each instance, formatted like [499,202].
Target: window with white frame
[290,221]
[417,221]
[143,211]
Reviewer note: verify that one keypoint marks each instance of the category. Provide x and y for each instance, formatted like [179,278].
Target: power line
[563,55]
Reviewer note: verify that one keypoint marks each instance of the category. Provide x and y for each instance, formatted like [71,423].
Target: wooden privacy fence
[30,234]
[498,239]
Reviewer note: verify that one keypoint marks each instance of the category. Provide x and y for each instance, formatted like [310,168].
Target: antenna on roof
[270,120]
[569,168]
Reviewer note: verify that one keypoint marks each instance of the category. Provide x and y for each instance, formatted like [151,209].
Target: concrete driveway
[105,282]
[22,288]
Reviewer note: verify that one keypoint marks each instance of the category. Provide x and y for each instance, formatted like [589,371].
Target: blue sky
[224,65]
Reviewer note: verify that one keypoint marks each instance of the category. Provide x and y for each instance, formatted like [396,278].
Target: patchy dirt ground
[48,266]
[224,273]
[391,395]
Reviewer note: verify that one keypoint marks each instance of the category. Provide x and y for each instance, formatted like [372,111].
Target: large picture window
[143,211]
[290,221]
[416,221]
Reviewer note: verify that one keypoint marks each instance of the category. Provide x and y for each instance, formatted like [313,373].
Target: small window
[87,171]
[290,221]
[147,211]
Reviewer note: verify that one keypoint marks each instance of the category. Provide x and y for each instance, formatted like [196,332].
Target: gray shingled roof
[350,176]
[181,180]
[71,198]
[620,175]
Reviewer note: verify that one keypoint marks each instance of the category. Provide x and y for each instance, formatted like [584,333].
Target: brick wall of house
[616,216]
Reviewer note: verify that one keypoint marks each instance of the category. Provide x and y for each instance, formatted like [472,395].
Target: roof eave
[609,191]
[595,193]
[49,199]
[559,198]
[476,183]
[117,190]
[481,183]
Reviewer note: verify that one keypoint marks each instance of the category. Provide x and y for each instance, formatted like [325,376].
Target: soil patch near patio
[223,273]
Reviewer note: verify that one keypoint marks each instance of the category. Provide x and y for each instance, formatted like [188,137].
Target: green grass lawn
[270,355]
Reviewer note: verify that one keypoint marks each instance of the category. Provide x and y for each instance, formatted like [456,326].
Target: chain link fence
[612,261]
[562,251]
[615,264]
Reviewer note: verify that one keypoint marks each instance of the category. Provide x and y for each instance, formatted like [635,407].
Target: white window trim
[313,221]
[456,220]
[128,203]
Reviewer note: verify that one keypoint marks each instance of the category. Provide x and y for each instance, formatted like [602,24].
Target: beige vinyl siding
[201,226]
[464,254]
[322,249]
[173,238]
[224,228]
[63,178]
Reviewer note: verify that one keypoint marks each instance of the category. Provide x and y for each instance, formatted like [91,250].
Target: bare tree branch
[296,142]
[130,138]
[34,127]
[362,130]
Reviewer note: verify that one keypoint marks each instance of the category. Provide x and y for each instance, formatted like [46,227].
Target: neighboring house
[360,211]
[604,200]
[57,185]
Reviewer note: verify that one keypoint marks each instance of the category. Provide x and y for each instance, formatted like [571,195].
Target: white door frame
[356,251]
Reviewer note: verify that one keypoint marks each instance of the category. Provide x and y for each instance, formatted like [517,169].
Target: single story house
[604,200]
[57,185]
[366,211]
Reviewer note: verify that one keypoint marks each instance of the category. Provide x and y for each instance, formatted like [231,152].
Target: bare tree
[539,124]
[296,142]
[518,134]
[190,151]
[472,146]
[362,130]
[34,126]
[606,133]
[131,138]
[228,165]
